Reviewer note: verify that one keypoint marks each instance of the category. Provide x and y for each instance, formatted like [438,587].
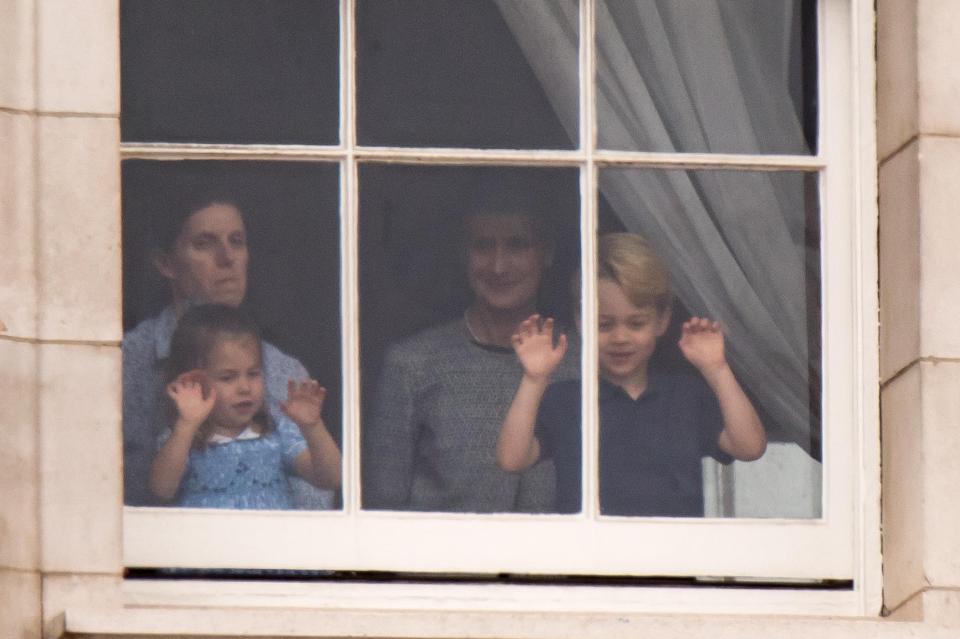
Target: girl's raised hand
[193,397]
[304,403]
[702,344]
[533,344]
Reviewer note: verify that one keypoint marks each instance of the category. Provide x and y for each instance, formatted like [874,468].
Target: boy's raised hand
[702,344]
[533,344]
[193,397]
[304,403]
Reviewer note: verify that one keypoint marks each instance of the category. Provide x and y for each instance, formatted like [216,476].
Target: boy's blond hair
[630,261]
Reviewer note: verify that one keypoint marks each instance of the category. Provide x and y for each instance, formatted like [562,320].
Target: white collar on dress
[248,433]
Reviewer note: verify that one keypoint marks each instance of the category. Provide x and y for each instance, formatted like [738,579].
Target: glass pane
[457,74]
[740,249]
[232,71]
[452,259]
[260,240]
[731,76]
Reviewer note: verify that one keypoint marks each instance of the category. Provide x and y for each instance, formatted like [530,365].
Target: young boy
[654,425]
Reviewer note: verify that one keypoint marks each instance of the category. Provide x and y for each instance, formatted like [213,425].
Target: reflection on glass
[740,249]
[233,71]
[452,260]
[732,76]
[231,289]
[458,74]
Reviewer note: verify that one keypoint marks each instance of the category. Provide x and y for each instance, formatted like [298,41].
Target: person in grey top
[201,250]
[430,438]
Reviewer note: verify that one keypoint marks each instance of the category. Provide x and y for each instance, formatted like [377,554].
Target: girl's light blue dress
[244,473]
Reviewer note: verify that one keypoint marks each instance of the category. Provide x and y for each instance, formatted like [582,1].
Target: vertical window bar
[588,247]
[824,151]
[350,355]
[348,77]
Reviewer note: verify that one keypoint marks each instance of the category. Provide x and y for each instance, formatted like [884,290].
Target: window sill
[248,609]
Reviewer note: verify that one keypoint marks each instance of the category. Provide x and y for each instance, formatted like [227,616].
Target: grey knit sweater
[430,438]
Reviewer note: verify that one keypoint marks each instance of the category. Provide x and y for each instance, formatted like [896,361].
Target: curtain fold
[710,76]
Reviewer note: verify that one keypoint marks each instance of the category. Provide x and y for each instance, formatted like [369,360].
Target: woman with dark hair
[430,438]
[200,248]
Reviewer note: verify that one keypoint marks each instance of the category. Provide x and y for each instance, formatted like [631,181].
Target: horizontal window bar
[169,151]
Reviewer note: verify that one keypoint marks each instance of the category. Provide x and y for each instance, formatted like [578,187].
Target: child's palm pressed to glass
[627,338]
[222,403]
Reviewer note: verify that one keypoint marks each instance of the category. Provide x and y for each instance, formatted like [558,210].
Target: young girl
[222,450]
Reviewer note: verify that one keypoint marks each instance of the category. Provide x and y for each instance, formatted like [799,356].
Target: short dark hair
[527,192]
[183,198]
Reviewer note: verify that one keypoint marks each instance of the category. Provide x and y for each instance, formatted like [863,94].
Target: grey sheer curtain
[704,76]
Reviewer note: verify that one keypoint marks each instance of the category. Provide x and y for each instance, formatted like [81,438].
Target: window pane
[456,74]
[183,235]
[451,261]
[740,248]
[730,76]
[238,71]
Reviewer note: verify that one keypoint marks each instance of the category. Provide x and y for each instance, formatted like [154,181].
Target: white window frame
[843,544]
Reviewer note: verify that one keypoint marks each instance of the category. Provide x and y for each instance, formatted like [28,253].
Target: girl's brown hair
[194,339]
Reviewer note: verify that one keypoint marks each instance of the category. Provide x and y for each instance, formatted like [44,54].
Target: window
[619,114]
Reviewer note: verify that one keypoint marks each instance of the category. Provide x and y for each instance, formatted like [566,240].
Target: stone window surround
[58,119]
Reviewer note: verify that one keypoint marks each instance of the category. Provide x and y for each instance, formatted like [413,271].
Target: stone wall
[919,167]
[59,304]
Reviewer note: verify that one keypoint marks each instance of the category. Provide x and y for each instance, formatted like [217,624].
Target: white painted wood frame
[842,545]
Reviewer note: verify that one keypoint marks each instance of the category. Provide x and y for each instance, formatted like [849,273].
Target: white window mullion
[350,331]
[349,264]
[348,75]
[590,429]
[590,439]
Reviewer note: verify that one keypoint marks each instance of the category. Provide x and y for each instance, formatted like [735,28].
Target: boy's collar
[608,389]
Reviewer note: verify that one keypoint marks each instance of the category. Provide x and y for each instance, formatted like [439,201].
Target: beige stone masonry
[899,261]
[18,266]
[918,79]
[60,592]
[17,63]
[902,494]
[941,607]
[939,160]
[20,578]
[921,513]
[253,622]
[78,57]
[79,246]
[19,604]
[940,390]
[19,455]
[897,104]
[918,91]
[938,75]
[81,492]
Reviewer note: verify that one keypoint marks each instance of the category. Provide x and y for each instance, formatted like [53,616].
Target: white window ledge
[425,611]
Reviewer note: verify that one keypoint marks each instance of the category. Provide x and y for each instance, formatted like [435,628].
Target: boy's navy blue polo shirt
[650,448]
